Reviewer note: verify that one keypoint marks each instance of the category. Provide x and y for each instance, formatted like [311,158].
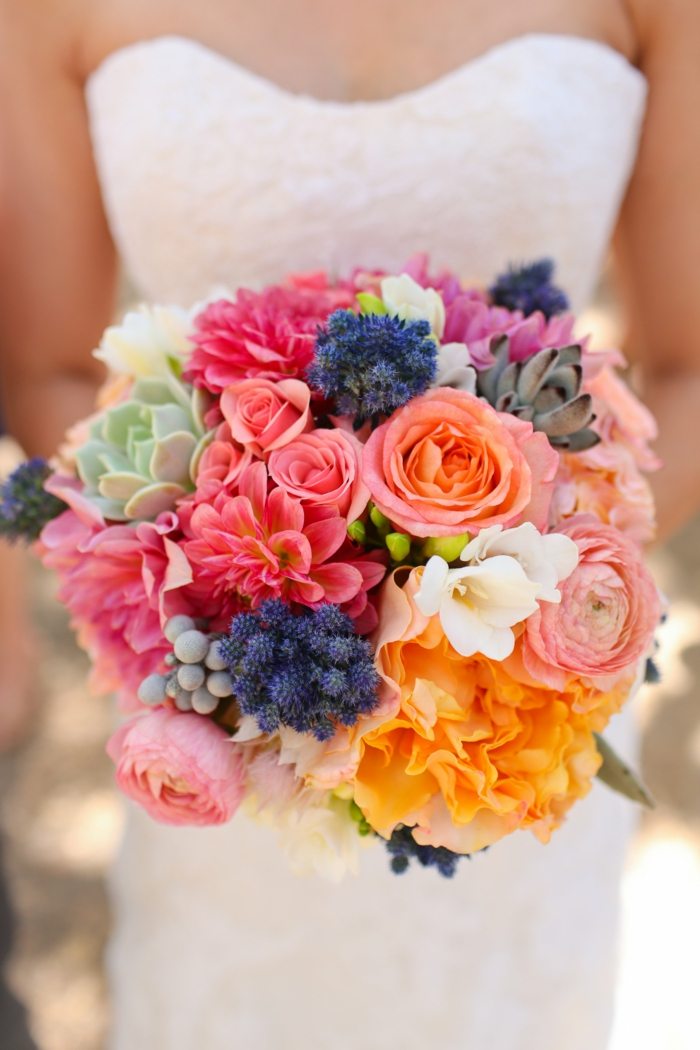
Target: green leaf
[371,304]
[619,776]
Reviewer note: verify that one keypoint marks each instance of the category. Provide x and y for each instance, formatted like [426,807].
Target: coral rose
[448,463]
[182,768]
[220,466]
[608,613]
[264,415]
[468,753]
[322,469]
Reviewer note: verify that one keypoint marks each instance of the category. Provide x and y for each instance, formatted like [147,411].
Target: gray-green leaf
[619,776]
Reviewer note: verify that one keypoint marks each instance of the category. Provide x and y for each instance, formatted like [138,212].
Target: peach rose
[608,613]
[182,768]
[264,415]
[467,753]
[322,469]
[448,463]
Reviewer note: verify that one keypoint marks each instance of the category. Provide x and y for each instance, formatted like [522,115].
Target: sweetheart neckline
[497,51]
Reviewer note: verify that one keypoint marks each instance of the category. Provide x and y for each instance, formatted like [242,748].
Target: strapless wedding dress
[214,176]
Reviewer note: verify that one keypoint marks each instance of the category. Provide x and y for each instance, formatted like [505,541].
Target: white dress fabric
[214,176]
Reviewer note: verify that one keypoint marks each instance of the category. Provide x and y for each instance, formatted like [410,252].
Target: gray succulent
[545,390]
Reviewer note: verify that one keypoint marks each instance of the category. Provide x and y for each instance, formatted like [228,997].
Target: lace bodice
[214,175]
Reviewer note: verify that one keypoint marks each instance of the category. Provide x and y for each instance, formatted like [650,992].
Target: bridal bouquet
[364,556]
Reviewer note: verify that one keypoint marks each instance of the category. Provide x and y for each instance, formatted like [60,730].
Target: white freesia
[405,298]
[546,560]
[454,368]
[321,838]
[478,604]
[150,341]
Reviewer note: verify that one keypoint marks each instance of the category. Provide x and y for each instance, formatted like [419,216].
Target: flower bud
[399,545]
[447,547]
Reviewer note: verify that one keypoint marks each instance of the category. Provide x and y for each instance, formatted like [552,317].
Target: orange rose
[448,463]
[469,753]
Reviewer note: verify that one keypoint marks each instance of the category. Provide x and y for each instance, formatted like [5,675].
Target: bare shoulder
[46,33]
[664,25]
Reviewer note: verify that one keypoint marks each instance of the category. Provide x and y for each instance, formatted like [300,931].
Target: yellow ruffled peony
[472,750]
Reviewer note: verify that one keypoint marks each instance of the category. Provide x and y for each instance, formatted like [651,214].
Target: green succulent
[545,390]
[141,454]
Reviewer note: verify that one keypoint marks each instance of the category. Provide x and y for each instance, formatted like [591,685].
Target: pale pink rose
[182,768]
[608,613]
[264,415]
[220,466]
[322,469]
[448,463]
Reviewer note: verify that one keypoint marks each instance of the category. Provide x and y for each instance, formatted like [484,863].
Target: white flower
[546,560]
[150,341]
[478,604]
[454,368]
[321,838]
[405,298]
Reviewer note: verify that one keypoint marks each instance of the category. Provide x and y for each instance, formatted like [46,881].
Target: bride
[227,143]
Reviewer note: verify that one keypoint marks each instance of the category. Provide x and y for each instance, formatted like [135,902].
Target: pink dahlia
[120,583]
[259,545]
[267,335]
[469,319]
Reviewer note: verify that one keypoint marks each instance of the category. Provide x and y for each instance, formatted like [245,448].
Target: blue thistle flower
[403,848]
[25,505]
[529,288]
[372,364]
[307,669]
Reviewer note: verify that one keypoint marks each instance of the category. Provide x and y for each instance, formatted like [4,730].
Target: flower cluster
[307,670]
[366,554]
[530,289]
[368,365]
[25,505]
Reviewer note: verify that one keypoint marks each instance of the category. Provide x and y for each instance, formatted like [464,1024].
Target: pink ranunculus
[266,335]
[119,583]
[322,469]
[220,466]
[448,463]
[264,415]
[608,613]
[182,768]
[259,545]
[471,320]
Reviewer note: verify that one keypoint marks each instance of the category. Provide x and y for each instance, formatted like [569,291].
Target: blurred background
[61,822]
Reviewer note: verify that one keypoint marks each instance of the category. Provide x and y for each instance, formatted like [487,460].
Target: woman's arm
[658,249]
[57,261]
